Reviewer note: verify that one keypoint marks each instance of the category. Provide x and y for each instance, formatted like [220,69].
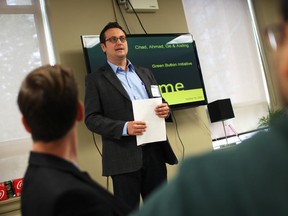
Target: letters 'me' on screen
[172,58]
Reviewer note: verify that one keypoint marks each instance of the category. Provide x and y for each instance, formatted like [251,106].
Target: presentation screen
[172,58]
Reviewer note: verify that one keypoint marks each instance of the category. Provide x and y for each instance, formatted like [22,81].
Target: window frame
[216,129]
[35,9]
[14,152]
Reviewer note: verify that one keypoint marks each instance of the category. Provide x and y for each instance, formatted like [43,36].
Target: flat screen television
[173,59]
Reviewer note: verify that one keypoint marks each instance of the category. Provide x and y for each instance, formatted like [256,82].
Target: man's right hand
[135,128]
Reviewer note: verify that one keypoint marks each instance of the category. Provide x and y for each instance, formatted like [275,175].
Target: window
[23,48]
[229,59]
[25,45]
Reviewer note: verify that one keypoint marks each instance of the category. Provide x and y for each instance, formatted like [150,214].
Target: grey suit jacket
[107,109]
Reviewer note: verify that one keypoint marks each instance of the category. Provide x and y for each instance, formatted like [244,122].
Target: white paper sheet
[144,110]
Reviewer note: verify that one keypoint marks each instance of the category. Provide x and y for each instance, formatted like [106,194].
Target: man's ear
[103,47]
[80,111]
[27,128]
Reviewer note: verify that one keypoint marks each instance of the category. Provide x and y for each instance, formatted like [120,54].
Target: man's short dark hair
[284,10]
[48,101]
[109,26]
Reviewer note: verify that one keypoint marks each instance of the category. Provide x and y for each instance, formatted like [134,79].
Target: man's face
[115,51]
[282,60]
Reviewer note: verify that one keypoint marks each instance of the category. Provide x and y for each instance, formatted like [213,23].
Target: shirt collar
[115,68]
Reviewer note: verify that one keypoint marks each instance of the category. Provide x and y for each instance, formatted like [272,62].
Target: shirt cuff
[124,132]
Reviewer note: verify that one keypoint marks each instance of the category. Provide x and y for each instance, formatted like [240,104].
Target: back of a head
[48,101]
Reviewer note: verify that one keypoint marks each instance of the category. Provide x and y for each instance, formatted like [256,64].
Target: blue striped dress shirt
[131,82]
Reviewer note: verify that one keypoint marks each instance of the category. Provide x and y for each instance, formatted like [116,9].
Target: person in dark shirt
[249,179]
[53,183]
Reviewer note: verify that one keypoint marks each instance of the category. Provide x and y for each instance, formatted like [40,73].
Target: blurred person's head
[283,55]
[113,42]
[278,38]
[48,101]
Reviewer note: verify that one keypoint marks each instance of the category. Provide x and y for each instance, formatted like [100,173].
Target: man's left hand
[162,110]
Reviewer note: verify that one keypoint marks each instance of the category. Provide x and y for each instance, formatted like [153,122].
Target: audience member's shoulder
[233,159]
[78,201]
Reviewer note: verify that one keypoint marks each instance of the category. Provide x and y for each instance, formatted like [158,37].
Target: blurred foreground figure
[250,179]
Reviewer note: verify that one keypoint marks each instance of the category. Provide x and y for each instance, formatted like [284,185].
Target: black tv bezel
[175,106]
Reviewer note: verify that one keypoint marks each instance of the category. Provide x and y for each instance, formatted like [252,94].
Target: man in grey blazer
[110,90]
